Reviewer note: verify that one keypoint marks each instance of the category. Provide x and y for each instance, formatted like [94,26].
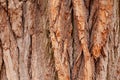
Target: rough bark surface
[59,40]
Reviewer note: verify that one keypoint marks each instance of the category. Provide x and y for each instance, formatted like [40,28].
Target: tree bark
[59,40]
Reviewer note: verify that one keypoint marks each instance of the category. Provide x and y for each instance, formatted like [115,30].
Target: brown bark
[59,40]
[80,18]
[60,33]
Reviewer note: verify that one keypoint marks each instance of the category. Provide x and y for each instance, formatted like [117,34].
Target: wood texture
[59,40]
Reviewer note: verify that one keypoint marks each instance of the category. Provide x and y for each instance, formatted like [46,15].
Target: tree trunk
[59,40]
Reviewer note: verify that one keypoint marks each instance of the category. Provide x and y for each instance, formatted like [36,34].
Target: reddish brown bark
[59,40]
[80,18]
[60,33]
